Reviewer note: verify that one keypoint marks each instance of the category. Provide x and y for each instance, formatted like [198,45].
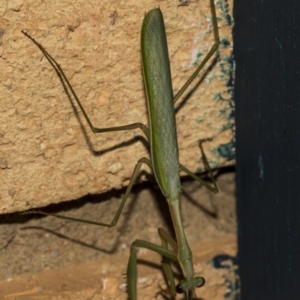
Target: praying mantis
[164,161]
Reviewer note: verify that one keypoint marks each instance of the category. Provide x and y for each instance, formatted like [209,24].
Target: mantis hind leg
[211,52]
[71,92]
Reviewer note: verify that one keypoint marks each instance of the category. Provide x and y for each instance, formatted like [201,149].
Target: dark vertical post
[267,95]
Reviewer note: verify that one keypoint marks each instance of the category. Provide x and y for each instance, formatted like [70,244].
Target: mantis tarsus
[164,162]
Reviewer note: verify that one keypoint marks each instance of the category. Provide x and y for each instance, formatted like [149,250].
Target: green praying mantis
[164,161]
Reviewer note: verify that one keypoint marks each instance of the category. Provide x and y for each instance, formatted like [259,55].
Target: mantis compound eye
[179,288]
[201,283]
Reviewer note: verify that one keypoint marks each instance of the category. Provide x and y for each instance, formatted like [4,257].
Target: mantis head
[188,286]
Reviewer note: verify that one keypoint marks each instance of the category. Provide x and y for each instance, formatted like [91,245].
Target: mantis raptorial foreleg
[164,163]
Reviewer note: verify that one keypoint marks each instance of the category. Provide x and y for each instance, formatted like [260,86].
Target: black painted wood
[267,95]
